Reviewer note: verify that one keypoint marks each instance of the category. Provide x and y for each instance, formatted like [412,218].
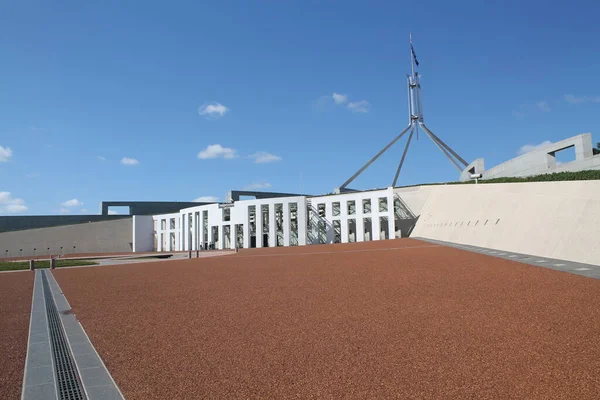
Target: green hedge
[588,175]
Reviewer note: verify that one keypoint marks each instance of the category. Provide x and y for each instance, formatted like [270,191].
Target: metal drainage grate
[67,380]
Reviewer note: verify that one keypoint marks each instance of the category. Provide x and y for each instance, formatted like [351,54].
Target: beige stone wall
[550,219]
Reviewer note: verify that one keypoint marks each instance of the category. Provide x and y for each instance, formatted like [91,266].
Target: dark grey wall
[94,237]
[149,207]
[236,194]
[17,223]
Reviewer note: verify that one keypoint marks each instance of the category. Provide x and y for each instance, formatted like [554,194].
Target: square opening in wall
[563,156]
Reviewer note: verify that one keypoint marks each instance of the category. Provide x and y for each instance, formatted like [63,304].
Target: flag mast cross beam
[415,120]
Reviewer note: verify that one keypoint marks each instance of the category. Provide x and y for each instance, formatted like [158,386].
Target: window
[163,224]
[226,214]
[383,204]
[351,207]
[366,204]
[172,224]
[321,210]
[336,209]
[337,231]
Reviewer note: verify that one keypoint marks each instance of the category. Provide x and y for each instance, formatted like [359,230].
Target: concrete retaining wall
[23,222]
[551,219]
[93,237]
[541,161]
[143,233]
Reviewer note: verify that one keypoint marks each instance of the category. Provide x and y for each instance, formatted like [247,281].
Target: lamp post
[476,177]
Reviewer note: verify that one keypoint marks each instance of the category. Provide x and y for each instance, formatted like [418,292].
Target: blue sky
[103,100]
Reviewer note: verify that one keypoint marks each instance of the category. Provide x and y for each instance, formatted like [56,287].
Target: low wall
[550,219]
[23,222]
[93,237]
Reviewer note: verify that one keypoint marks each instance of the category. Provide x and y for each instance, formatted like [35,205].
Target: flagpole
[412,61]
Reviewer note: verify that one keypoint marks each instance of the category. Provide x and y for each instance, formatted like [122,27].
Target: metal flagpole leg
[431,134]
[458,167]
[403,155]
[376,157]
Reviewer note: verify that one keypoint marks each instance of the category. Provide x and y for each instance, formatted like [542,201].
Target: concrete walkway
[587,270]
[61,361]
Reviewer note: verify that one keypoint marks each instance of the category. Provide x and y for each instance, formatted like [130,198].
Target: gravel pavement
[418,321]
[16,290]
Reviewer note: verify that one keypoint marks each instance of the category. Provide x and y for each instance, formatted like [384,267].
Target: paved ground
[342,321]
[15,307]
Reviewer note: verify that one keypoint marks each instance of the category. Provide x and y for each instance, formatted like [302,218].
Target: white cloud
[532,147]
[339,98]
[101,158]
[262,157]
[83,210]
[10,204]
[5,154]
[217,151]
[323,102]
[64,211]
[112,212]
[581,99]
[72,203]
[359,106]
[129,161]
[213,110]
[543,106]
[257,185]
[207,199]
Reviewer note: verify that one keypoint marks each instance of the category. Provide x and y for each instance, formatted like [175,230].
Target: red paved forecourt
[419,322]
[16,291]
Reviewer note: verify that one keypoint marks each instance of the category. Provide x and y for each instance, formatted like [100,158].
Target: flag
[412,50]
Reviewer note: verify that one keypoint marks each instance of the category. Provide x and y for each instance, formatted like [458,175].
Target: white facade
[284,221]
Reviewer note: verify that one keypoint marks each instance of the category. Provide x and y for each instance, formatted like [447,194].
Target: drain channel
[67,379]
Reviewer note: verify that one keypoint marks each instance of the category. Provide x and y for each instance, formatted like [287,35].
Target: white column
[360,226]
[286,224]
[182,234]
[391,215]
[201,231]
[186,231]
[272,226]
[344,220]
[376,226]
[259,226]
[329,221]
[246,229]
[194,232]
[302,222]
[221,241]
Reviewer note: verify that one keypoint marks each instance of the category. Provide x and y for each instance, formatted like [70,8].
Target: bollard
[32,265]
[52,266]
[197,253]
[189,254]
